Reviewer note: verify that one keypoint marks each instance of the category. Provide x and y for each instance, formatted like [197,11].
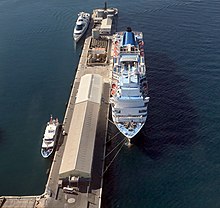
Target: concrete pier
[85,192]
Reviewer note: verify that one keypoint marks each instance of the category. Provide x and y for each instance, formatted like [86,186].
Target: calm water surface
[175,162]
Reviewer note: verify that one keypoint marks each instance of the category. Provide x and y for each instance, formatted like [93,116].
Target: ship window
[49,139]
[79,27]
[142,111]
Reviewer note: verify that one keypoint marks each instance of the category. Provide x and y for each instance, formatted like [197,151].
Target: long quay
[75,178]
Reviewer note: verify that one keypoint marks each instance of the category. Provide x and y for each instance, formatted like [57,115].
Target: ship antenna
[105,8]
[51,118]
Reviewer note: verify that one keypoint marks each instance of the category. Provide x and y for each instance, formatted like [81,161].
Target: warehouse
[78,153]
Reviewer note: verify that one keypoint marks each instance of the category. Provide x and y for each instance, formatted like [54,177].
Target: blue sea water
[175,161]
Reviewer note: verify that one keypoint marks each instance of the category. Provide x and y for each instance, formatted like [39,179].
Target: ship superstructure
[49,139]
[82,24]
[129,92]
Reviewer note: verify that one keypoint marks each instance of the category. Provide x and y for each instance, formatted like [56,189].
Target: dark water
[175,162]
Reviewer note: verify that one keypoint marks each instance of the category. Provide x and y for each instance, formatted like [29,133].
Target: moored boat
[49,139]
[81,25]
[129,92]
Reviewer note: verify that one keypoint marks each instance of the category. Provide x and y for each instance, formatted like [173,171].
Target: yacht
[129,88]
[49,138]
[81,26]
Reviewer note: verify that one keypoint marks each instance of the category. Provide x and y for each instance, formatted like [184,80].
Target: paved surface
[18,202]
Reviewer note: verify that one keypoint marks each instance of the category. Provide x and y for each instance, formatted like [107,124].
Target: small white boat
[81,26]
[49,138]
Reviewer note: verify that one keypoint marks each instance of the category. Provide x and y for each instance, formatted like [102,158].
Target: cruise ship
[129,88]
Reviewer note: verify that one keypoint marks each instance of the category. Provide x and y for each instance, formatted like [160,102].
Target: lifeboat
[141,43]
[114,89]
[145,87]
[142,52]
[115,51]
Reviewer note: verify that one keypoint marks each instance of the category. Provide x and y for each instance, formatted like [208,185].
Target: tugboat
[49,138]
[129,91]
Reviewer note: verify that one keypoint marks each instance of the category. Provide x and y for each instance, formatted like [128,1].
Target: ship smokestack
[129,38]
[129,29]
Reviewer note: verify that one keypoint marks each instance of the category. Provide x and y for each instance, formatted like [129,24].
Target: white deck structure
[106,26]
[129,91]
[81,26]
[78,153]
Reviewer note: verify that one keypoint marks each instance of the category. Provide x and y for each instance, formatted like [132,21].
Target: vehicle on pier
[129,91]
[49,139]
[81,26]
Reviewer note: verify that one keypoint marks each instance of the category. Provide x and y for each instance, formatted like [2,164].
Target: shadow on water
[78,46]
[1,135]
[172,119]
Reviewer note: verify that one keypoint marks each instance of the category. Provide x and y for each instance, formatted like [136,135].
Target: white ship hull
[81,25]
[129,92]
[129,133]
[49,139]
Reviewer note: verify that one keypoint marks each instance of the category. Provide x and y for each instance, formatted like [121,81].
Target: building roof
[78,153]
[106,24]
[90,88]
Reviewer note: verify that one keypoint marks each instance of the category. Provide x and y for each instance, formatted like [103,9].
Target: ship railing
[115,76]
[125,51]
[138,119]
[142,113]
[137,33]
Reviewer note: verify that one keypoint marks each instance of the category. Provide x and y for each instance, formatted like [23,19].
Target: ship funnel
[128,37]
[129,29]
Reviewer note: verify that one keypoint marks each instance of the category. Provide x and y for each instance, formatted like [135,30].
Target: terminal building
[78,154]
